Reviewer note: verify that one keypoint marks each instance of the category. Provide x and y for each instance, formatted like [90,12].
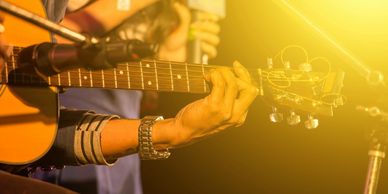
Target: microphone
[216,7]
[50,58]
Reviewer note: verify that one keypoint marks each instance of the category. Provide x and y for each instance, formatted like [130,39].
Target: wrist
[162,136]
[147,148]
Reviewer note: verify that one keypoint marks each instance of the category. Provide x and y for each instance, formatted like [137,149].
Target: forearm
[120,136]
[78,139]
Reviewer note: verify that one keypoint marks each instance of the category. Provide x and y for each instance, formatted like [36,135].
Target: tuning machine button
[293,118]
[275,116]
[311,122]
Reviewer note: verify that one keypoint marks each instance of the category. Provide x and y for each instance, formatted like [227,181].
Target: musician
[85,137]
[170,32]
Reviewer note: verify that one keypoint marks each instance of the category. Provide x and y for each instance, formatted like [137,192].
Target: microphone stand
[50,59]
[378,140]
[376,155]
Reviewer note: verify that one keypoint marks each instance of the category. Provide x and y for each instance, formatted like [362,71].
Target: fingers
[210,50]
[183,13]
[207,37]
[231,89]
[218,90]
[205,26]
[247,95]
[241,72]
[209,42]
[207,16]
[231,96]
[207,32]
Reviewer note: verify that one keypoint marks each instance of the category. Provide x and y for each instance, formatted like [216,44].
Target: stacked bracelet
[146,148]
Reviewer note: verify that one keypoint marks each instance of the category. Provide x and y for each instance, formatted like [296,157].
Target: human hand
[173,47]
[226,106]
[205,29]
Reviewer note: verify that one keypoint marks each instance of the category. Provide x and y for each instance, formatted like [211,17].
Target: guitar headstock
[300,89]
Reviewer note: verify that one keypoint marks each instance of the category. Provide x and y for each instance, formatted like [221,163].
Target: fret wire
[79,77]
[129,80]
[103,78]
[68,78]
[59,79]
[49,80]
[13,69]
[91,78]
[142,76]
[187,79]
[156,76]
[115,77]
[204,81]
[172,80]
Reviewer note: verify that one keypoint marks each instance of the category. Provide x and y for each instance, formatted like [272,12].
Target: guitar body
[28,115]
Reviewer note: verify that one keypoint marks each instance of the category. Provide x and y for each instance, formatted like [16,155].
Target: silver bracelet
[146,148]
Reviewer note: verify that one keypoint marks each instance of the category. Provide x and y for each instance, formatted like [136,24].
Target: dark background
[262,157]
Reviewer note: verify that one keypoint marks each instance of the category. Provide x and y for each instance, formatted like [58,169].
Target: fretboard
[143,75]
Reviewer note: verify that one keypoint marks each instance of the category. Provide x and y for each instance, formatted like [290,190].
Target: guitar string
[199,89]
[274,77]
[161,62]
[157,61]
[124,79]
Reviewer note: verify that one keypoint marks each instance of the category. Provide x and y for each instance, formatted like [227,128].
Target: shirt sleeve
[78,139]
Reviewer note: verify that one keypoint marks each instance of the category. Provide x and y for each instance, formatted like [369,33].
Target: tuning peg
[293,118]
[275,116]
[270,63]
[311,122]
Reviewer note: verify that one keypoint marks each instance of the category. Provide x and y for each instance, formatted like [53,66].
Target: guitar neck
[143,75]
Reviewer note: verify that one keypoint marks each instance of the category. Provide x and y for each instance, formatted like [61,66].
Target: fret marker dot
[121,72]
[179,76]
[149,83]
[85,77]
[148,65]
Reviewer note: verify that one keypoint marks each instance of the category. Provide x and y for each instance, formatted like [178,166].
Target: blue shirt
[124,176]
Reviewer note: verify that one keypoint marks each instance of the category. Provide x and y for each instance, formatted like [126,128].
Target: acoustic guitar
[29,105]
